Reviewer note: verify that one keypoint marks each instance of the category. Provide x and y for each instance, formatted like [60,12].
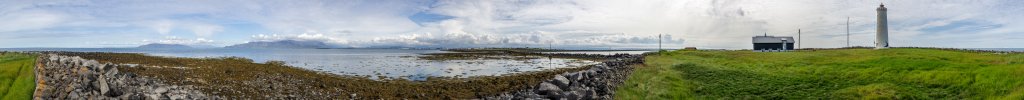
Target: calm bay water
[395,63]
[1000,49]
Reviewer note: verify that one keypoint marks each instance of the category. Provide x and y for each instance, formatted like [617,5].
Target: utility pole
[847,31]
[659,42]
[799,39]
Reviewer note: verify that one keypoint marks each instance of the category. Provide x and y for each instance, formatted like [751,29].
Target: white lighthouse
[882,37]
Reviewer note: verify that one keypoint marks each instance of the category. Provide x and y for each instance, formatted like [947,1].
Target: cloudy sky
[724,24]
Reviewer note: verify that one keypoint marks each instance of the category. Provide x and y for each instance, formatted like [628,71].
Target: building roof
[773,39]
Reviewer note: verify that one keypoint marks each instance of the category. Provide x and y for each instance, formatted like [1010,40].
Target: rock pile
[598,82]
[64,77]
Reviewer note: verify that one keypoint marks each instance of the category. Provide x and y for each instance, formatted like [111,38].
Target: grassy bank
[899,73]
[16,76]
[234,77]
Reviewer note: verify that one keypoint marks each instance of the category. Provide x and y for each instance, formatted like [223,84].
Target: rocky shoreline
[64,77]
[68,75]
[598,82]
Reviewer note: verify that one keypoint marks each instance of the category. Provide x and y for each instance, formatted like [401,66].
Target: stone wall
[598,82]
[64,77]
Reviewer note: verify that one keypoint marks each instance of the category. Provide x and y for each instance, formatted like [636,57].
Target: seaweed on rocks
[240,78]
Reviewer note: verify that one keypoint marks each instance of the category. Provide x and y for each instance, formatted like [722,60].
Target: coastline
[227,78]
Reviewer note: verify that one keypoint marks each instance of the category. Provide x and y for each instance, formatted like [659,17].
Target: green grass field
[16,76]
[898,73]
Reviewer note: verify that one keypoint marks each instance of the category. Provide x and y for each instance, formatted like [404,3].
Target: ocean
[999,49]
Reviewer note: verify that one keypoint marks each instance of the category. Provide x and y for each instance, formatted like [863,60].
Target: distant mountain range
[164,46]
[280,44]
[290,44]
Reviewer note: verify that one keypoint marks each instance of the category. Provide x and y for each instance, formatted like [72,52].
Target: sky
[709,24]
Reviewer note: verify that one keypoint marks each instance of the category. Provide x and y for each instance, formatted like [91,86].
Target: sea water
[1000,49]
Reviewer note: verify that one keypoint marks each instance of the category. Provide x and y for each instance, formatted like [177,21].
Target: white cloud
[702,23]
[183,41]
[366,17]
[199,29]
[731,23]
[28,20]
[162,26]
[300,37]
[457,40]
[204,30]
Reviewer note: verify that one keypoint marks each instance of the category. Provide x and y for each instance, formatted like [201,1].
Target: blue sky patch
[427,17]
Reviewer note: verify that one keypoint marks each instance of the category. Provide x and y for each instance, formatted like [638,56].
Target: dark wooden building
[773,43]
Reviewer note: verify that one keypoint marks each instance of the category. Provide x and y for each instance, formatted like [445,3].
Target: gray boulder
[561,82]
[160,90]
[548,88]
[73,95]
[104,87]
